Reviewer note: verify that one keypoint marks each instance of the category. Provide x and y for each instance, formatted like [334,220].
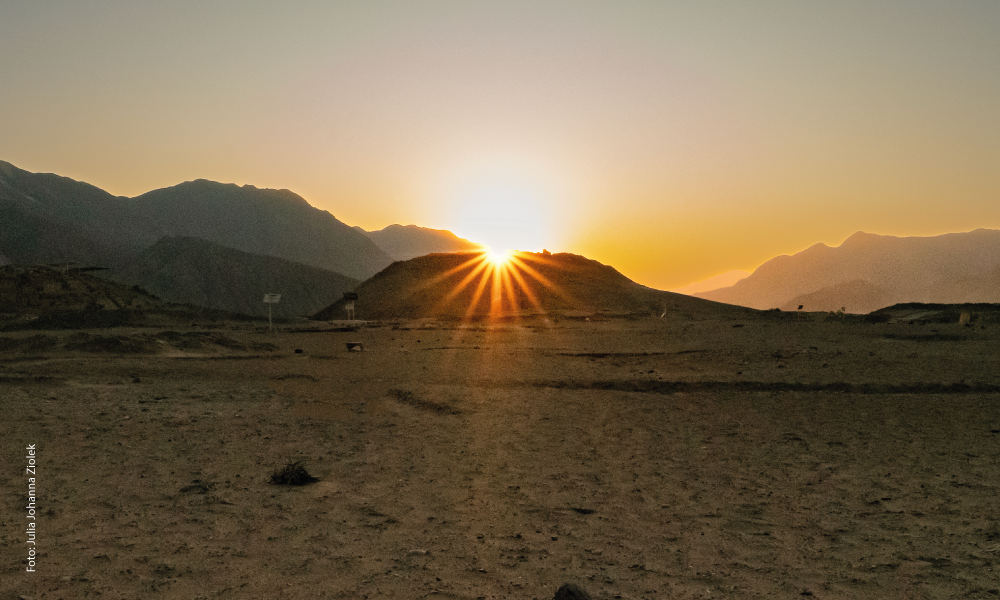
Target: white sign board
[272,298]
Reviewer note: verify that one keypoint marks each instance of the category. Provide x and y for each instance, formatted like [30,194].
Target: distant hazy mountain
[431,286]
[955,267]
[713,283]
[858,296]
[195,271]
[48,218]
[261,221]
[403,242]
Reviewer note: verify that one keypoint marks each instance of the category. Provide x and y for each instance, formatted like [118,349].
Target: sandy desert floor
[671,458]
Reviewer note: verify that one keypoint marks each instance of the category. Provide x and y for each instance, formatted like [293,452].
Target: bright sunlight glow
[498,257]
[504,216]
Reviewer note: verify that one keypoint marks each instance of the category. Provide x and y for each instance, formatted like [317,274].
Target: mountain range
[223,246]
[868,271]
[213,244]
[49,218]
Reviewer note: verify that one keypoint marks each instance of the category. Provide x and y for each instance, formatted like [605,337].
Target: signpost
[270,299]
[349,298]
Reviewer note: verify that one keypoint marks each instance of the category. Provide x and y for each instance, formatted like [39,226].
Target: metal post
[270,299]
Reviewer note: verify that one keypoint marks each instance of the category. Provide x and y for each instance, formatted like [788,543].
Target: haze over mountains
[869,271]
[404,242]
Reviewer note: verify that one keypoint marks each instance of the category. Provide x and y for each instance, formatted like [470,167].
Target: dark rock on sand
[571,591]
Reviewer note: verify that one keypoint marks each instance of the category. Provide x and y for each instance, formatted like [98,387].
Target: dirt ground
[656,458]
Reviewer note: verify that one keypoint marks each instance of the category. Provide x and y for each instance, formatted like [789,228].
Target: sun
[498,258]
[503,217]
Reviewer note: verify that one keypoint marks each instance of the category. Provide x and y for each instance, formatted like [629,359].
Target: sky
[672,140]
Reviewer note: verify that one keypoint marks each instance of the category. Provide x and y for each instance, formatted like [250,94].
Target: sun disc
[498,258]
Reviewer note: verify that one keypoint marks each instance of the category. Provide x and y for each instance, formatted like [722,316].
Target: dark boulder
[571,591]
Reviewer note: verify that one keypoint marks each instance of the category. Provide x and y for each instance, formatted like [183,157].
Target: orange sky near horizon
[673,141]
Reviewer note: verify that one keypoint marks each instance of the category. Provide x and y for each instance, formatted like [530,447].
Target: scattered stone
[570,591]
[298,350]
[292,474]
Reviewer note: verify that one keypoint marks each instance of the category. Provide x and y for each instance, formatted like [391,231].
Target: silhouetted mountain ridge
[48,218]
[261,221]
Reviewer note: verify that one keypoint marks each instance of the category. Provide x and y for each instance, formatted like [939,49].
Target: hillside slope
[45,218]
[465,285]
[261,221]
[193,271]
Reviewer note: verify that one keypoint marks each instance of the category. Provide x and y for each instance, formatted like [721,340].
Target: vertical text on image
[31,471]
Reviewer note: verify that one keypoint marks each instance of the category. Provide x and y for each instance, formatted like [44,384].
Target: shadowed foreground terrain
[722,457]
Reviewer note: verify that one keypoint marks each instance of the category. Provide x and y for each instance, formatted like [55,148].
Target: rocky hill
[468,285]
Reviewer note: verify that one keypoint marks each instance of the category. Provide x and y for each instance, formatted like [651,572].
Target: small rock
[570,591]
[298,350]
[418,552]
